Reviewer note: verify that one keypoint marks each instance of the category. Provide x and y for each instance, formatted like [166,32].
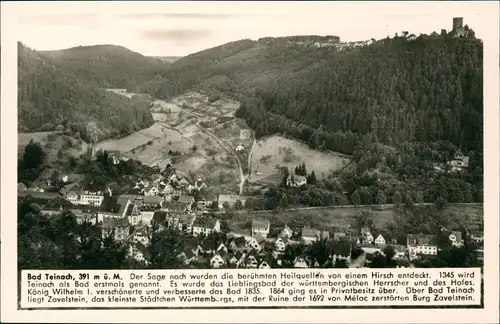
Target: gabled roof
[171,205]
[208,245]
[259,238]
[260,223]
[131,210]
[240,241]
[40,195]
[342,248]
[238,255]
[21,186]
[160,216]
[152,200]
[186,218]
[421,240]
[310,232]
[205,222]
[112,223]
[186,199]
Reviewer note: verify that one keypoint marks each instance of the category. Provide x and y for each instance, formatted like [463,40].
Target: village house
[186,201]
[251,261]
[419,244]
[237,258]
[338,235]
[219,259]
[238,244]
[152,190]
[400,252]
[72,197]
[137,251]
[208,246]
[311,235]
[120,228]
[455,237]
[239,148]
[281,243]
[294,180]
[85,216]
[380,240]
[265,262]
[222,246]
[21,186]
[90,198]
[459,162]
[127,211]
[205,225]
[151,202]
[187,256]
[261,227]
[141,234]
[286,232]
[341,251]
[256,242]
[115,157]
[173,207]
[300,262]
[366,235]
[165,188]
[199,184]
[186,221]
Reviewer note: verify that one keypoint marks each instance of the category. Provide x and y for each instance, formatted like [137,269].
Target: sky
[182,28]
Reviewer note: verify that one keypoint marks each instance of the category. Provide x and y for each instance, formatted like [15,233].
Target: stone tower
[458,23]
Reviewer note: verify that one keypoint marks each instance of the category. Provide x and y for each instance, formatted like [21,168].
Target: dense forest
[107,66]
[50,95]
[399,107]
[396,90]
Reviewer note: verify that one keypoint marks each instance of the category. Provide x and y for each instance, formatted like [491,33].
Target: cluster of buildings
[459,163]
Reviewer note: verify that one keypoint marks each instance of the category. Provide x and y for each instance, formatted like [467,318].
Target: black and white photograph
[250,137]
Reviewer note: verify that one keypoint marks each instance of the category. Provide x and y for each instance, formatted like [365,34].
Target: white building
[294,180]
[380,240]
[421,245]
[311,235]
[127,211]
[87,198]
[205,225]
[261,227]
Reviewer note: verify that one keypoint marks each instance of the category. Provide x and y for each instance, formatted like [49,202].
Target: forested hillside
[108,66]
[425,90]
[399,106]
[50,95]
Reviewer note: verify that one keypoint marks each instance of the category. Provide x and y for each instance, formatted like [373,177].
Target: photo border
[489,11]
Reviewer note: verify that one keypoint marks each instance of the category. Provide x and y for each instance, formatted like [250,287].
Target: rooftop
[205,222]
[186,199]
[111,223]
[421,240]
[260,223]
[152,200]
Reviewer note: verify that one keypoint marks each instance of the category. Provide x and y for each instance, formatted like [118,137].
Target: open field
[328,217]
[130,142]
[277,150]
